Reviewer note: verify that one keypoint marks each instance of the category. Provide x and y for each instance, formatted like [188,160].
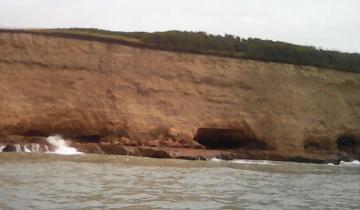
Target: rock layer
[96,93]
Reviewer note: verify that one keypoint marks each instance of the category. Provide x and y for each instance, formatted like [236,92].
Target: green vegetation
[257,49]
[232,46]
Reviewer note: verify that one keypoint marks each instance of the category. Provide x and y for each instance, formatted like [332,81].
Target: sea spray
[355,163]
[18,148]
[61,146]
[35,147]
[26,149]
[216,159]
[46,148]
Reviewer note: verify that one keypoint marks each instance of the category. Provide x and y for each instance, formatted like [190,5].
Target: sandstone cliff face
[91,91]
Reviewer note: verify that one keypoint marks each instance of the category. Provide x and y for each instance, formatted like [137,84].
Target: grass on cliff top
[90,32]
[227,45]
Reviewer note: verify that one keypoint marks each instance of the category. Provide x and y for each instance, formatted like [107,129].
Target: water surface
[48,181]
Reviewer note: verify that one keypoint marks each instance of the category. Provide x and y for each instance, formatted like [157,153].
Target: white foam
[258,162]
[46,148]
[26,149]
[215,159]
[351,163]
[35,147]
[243,161]
[18,148]
[61,146]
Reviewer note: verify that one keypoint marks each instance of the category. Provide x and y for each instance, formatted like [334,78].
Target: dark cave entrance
[215,138]
[33,132]
[89,138]
[348,143]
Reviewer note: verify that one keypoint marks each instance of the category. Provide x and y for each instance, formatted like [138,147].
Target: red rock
[113,149]
[255,109]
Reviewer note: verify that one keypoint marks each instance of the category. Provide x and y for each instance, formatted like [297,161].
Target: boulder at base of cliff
[9,148]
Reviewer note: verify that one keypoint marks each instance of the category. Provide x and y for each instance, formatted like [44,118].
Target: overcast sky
[329,24]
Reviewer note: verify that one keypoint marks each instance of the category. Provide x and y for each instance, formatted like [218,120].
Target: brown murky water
[48,181]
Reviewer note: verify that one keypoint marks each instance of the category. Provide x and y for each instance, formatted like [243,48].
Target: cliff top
[202,43]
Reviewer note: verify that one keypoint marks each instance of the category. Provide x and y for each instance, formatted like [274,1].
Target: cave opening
[348,143]
[33,132]
[216,138]
[89,138]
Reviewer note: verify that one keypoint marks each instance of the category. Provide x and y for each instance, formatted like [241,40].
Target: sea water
[50,181]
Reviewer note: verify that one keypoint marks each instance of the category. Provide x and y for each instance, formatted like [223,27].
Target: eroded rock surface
[100,94]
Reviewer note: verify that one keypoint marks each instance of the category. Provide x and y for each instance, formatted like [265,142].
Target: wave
[56,145]
[243,161]
[216,159]
[351,163]
[258,162]
[61,146]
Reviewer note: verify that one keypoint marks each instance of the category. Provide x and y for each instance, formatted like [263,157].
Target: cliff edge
[147,101]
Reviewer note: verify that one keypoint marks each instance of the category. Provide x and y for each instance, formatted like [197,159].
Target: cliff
[112,95]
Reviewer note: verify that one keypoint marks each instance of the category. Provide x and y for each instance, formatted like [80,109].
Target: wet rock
[9,148]
[192,157]
[113,149]
[153,152]
[89,148]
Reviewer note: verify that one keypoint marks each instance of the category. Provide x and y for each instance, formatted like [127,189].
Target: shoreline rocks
[115,148]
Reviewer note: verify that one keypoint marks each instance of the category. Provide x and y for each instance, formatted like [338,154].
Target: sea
[89,181]
[67,179]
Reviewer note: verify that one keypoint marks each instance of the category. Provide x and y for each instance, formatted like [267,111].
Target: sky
[326,24]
